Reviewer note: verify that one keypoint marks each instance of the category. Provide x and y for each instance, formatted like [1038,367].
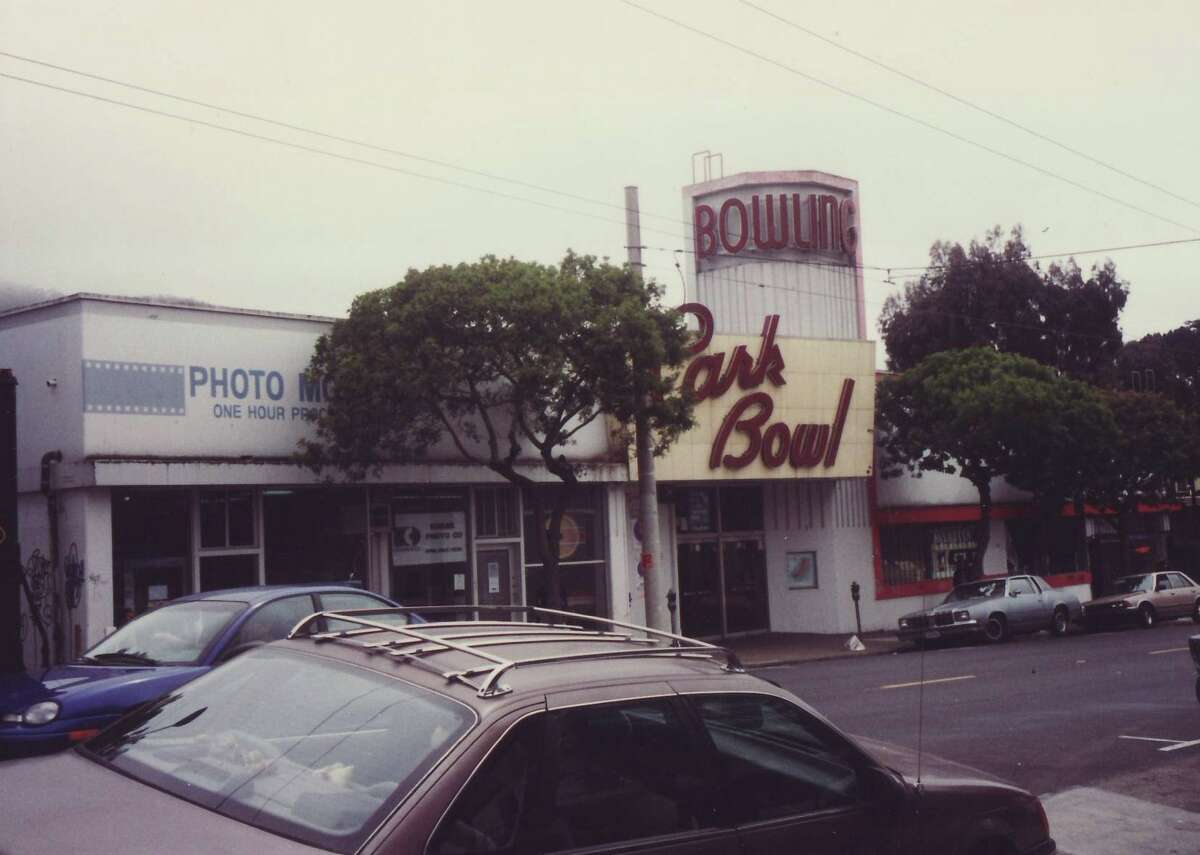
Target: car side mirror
[883,786]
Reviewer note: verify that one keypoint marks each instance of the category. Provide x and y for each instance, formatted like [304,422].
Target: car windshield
[172,635]
[309,748]
[1134,584]
[975,590]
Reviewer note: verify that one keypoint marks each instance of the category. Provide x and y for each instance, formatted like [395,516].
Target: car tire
[1060,623]
[995,630]
[1196,612]
[1146,616]
[994,846]
[1198,688]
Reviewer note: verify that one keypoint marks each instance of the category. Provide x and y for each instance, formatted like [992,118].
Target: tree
[1066,434]
[1167,363]
[989,295]
[984,415]
[500,363]
[1156,447]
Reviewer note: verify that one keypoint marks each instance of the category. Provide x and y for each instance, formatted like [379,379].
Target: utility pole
[652,572]
[11,658]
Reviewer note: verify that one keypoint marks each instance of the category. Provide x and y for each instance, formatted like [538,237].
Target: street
[1105,727]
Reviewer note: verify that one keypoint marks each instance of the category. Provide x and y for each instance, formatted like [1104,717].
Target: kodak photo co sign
[775,407]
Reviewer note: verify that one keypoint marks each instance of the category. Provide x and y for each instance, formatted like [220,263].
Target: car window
[274,620]
[298,745]
[1020,586]
[1178,580]
[172,635]
[1133,584]
[634,761]
[499,800]
[777,760]
[345,602]
[597,775]
[975,590]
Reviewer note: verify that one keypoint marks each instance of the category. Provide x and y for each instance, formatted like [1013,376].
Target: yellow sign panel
[776,409]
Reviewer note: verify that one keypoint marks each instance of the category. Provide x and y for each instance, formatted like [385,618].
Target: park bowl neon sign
[710,375]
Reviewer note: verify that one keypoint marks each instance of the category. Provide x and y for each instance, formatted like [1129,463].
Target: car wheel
[1198,688]
[996,629]
[1196,612]
[1061,622]
[1146,616]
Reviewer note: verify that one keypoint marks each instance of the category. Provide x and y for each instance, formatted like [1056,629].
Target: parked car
[502,737]
[1194,646]
[159,651]
[994,608]
[1145,599]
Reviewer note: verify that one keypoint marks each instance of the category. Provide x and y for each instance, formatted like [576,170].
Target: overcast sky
[582,98]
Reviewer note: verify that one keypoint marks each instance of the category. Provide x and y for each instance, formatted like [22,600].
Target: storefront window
[583,569]
[916,553]
[496,512]
[430,564]
[226,519]
[151,549]
[315,535]
[741,508]
[228,571]
[695,509]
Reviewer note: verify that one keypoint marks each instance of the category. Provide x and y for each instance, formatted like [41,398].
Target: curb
[891,647]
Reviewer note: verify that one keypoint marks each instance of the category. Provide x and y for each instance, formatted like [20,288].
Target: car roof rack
[414,643]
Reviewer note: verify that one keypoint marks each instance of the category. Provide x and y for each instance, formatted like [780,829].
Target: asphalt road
[1105,727]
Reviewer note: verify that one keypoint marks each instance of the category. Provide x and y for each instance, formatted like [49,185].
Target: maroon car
[554,733]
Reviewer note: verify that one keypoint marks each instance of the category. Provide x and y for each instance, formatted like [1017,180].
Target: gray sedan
[995,609]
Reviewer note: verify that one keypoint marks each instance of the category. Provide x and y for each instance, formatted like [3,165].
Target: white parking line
[927,682]
[1175,744]
[1169,650]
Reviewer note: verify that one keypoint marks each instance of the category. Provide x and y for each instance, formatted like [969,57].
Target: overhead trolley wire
[908,117]
[467,170]
[331,136]
[966,103]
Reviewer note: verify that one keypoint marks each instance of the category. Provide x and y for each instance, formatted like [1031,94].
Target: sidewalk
[787,648]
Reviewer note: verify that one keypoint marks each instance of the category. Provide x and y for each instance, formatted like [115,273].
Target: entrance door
[700,589]
[493,568]
[744,566]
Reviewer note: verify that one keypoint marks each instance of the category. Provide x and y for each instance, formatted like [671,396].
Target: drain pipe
[52,511]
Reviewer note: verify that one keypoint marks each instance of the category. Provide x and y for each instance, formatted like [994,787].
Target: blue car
[155,654]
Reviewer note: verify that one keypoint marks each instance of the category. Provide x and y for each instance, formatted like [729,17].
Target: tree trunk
[548,530]
[1123,540]
[1081,545]
[983,529]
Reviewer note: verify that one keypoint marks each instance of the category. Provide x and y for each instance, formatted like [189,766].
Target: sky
[581,98]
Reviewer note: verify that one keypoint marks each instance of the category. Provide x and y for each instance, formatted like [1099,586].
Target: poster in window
[428,538]
[801,570]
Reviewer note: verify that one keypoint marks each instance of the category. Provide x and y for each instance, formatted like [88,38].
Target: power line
[1043,256]
[966,103]
[325,152]
[330,136]
[491,176]
[892,111]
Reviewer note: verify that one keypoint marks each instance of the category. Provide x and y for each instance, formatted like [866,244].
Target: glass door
[744,567]
[700,589]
